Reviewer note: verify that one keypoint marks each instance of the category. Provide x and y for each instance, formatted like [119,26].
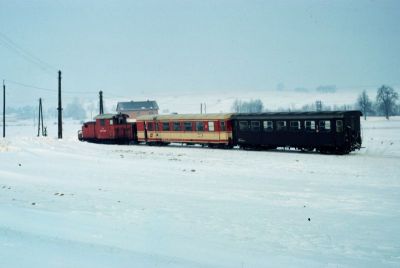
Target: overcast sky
[126,47]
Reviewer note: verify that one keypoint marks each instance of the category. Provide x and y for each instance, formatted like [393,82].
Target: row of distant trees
[74,110]
[252,106]
[385,104]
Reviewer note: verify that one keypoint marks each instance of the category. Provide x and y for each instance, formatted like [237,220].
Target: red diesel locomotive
[109,128]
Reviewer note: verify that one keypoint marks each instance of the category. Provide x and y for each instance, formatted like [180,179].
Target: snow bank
[64,203]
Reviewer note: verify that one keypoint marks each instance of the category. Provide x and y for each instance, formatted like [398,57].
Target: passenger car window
[199,126]
[210,126]
[165,126]
[255,125]
[294,125]
[222,126]
[280,125]
[339,126]
[150,126]
[268,126]
[177,126]
[187,126]
[309,125]
[325,125]
[244,125]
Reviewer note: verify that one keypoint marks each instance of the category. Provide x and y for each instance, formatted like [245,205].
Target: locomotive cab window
[177,126]
[210,126]
[268,126]
[295,125]
[280,125]
[165,126]
[310,125]
[111,122]
[339,126]
[255,126]
[187,126]
[243,125]
[199,126]
[102,122]
[325,125]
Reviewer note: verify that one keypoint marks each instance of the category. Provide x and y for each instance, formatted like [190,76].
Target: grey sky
[125,47]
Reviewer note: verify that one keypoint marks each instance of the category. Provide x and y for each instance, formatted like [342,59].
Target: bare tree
[252,106]
[364,103]
[236,106]
[386,99]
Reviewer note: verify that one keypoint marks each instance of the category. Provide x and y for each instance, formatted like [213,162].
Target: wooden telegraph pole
[59,107]
[40,121]
[101,103]
[4,110]
[38,128]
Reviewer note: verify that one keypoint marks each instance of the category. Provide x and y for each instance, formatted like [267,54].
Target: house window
[325,125]
[165,126]
[199,126]
[294,125]
[187,126]
[222,126]
[281,125]
[309,125]
[339,126]
[244,125]
[255,125]
[177,126]
[268,126]
[210,126]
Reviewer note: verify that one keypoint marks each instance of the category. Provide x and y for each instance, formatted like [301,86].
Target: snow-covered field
[221,101]
[64,203]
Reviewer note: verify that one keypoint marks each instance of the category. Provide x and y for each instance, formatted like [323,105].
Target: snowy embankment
[64,203]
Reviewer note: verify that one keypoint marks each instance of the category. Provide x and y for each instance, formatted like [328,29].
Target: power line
[49,89]
[29,86]
[10,44]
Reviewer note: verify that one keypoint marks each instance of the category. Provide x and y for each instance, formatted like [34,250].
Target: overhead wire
[48,89]
[7,42]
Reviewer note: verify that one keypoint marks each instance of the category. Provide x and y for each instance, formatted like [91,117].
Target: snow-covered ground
[64,203]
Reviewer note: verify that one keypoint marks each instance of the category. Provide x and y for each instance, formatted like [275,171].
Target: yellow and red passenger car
[206,129]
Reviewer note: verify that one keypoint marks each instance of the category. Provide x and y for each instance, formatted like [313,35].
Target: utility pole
[4,110]
[205,108]
[59,107]
[41,118]
[201,108]
[40,106]
[40,121]
[101,102]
